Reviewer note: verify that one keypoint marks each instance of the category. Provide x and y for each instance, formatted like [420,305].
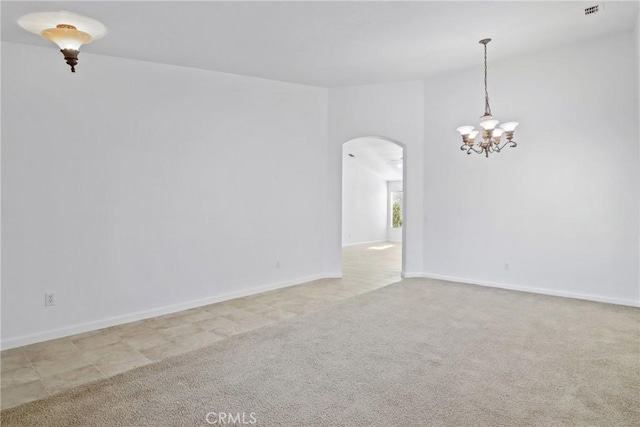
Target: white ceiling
[378,155]
[329,43]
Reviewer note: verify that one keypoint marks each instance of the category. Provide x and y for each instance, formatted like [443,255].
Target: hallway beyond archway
[373,206]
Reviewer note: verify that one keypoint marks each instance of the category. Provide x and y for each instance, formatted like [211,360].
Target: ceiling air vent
[592,9]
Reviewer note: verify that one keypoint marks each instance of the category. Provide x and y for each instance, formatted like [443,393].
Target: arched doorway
[373,205]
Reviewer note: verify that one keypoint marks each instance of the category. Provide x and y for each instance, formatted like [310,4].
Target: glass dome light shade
[465,130]
[40,21]
[489,124]
[497,133]
[509,126]
[66,36]
[473,134]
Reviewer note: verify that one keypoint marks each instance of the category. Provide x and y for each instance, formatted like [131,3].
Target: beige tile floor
[38,370]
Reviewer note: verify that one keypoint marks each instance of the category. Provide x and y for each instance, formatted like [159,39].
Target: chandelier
[68,30]
[491,136]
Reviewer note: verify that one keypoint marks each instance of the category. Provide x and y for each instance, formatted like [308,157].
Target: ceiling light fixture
[68,30]
[490,141]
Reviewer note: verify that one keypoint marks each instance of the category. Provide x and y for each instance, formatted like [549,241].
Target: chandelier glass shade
[66,36]
[491,135]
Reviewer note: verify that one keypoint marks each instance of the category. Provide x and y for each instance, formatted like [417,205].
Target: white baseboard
[411,275]
[337,275]
[543,291]
[19,341]
[9,343]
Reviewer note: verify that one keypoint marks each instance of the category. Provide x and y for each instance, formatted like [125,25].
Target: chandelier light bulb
[491,136]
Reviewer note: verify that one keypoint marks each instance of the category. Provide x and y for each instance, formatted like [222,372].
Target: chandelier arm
[513,144]
[474,150]
[463,147]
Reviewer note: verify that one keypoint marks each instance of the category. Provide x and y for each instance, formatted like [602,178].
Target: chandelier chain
[487,108]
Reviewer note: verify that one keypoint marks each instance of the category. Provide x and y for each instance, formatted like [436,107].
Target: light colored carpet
[418,353]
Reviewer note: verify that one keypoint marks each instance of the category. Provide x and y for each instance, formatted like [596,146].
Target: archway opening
[373,206]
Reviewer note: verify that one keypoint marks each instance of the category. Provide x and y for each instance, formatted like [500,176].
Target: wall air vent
[592,9]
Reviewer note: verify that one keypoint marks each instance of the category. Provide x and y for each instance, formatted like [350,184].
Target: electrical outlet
[506,266]
[49,300]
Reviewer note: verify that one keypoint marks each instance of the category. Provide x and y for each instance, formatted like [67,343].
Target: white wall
[562,208]
[131,189]
[393,111]
[393,234]
[637,54]
[364,204]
